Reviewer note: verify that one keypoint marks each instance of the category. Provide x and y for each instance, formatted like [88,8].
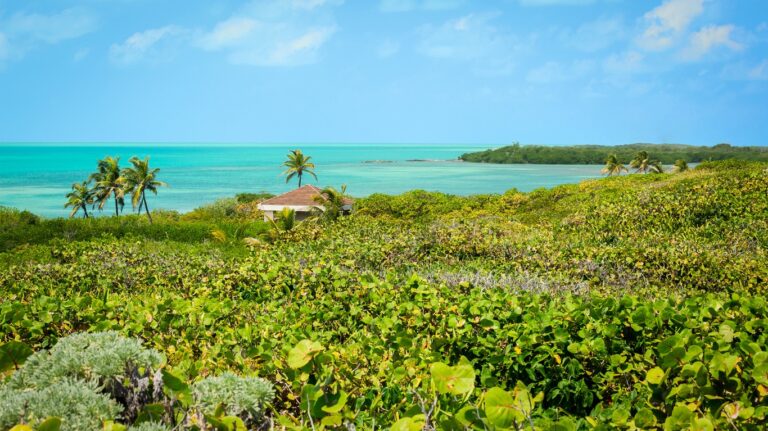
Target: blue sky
[423,71]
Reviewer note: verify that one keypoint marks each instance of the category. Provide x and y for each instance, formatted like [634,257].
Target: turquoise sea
[36,177]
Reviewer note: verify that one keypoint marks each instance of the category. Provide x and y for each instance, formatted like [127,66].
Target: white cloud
[273,33]
[22,32]
[228,33]
[667,22]
[299,50]
[139,44]
[472,38]
[409,5]
[709,38]
[54,28]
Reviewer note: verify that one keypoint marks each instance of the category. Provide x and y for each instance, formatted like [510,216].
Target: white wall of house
[301,211]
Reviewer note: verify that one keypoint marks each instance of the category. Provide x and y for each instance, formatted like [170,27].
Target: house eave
[298,208]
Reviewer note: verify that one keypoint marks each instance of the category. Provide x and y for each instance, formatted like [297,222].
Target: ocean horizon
[36,177]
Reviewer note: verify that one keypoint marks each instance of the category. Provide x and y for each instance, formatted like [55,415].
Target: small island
[596,154]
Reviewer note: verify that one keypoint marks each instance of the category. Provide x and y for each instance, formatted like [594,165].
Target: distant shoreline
[596,154]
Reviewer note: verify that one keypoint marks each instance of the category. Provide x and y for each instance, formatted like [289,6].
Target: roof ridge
[304,195]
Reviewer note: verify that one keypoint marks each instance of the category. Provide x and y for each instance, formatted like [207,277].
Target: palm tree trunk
[146,208]
[85,211]
[299,180]
[116,213]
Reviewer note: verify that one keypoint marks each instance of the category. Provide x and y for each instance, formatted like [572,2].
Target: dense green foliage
[597,154]
[631,302]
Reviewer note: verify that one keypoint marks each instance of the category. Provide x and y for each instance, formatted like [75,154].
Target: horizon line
[345,143]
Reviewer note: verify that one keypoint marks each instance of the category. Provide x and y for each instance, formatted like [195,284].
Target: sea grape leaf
[173,385]
[654,376]
[727,332]
[50,424]
[500,408]
[13,354]
[456,380]
[303,352]
[338,404]
[233,423]
[113,426]
[702,424]
[760,374]
[333,420]
[644,418]
[415,423]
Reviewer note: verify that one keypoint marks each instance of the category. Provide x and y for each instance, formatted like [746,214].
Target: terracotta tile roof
[303,196]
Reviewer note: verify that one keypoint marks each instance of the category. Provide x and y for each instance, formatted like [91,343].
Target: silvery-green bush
[148,426]
[102,357]
[86,379]
[244,397]
[76,402]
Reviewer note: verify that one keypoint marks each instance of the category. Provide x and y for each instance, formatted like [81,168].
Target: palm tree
[655,167]
[108,182]
[680,166]
[613,166]
[298,164]
[137,180]
[283,222]
[641,162]
[332,201]
[79,198]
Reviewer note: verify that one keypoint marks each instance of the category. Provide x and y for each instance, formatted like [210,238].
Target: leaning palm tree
[332,202]
[613,166]
[680,166]
[139,179]
[108,182]
[298,164]
[641,163]
[79,198]
[655,167]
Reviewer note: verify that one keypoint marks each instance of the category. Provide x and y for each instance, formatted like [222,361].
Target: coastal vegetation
[629,302]
[613,166]
[297,165]
[111,182]
[666,154]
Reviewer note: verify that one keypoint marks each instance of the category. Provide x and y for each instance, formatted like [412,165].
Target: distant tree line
[596,154]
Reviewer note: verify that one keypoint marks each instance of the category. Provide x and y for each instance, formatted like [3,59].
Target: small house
[302,201]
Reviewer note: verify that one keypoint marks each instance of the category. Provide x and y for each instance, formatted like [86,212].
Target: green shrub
[105,358]
[634,302]
[244,397]
[75,402]
[244,198]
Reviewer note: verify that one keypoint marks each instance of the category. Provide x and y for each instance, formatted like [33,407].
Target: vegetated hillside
[596,154]
[632,302]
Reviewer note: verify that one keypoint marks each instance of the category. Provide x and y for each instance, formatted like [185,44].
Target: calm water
[36,177]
